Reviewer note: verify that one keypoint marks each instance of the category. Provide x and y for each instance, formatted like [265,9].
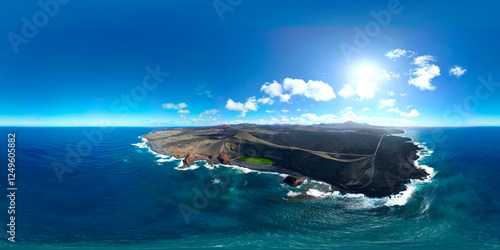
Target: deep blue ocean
[117,193]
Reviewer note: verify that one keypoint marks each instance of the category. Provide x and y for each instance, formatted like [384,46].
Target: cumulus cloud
[424,73]
[366,109]
[403,94]
[285,97]
[457,71]
[364,90]
[181,105]
[386,103]
[272,89]
[390,75]
[390,104]
[397,53]
[209,112]
[350,115]
[207,117]
[183,111]
[413,113]
[345,110]
[269,111]
[265,100]
[391,93]
[249,105]
[347,91]
[295,86]
[183,117]
[317,90]
[285,111]
[395,110]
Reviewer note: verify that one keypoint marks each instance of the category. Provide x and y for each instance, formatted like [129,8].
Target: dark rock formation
[294,181]
[224,159]
[190,158]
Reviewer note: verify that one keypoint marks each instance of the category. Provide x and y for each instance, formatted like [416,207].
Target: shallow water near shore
[123,195]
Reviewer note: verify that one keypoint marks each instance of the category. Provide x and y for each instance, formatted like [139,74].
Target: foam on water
[293,194]
[161,157]
[182,168]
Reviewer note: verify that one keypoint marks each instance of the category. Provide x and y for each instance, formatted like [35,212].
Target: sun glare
[367,71]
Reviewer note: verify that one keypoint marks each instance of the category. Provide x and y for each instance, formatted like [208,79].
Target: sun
[366,71]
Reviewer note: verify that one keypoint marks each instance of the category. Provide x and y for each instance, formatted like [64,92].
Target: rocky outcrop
[189,159]
[224,159]
[294,181]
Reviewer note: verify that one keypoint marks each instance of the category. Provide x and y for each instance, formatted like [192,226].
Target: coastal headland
[351,157]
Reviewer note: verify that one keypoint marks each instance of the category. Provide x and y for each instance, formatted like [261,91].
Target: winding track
[371,171]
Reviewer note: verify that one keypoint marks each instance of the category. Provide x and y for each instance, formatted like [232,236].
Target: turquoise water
[121,195]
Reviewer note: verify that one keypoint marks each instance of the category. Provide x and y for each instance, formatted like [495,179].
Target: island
[351,157]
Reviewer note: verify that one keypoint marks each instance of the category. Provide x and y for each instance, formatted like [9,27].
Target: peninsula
[351,157]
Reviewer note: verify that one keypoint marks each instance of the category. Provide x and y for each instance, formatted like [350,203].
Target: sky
[197,63]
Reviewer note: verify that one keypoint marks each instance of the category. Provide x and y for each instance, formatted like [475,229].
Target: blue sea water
[121,195]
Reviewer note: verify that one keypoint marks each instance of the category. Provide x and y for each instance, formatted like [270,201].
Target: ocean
[91,192]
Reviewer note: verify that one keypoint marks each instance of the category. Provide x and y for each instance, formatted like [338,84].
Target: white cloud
[299,110]
[265,100]
[363,90]
[423,60]
[413,113]
[207,117]
[249,105]
[295,86]
[285,111]
[272,89]
[397,53]
[283,119]
[391,93]
[183,111]
[457,71]
[347,91]
[319,91]
[346,109]
[269,111]
[209,112]
[183,117]
[403,94]
[390,106]
[395,110]
[409,106]
[285,97]
[424,73]
[350,115]
[366,109]
[181,105]
[386,103]
[390,75]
